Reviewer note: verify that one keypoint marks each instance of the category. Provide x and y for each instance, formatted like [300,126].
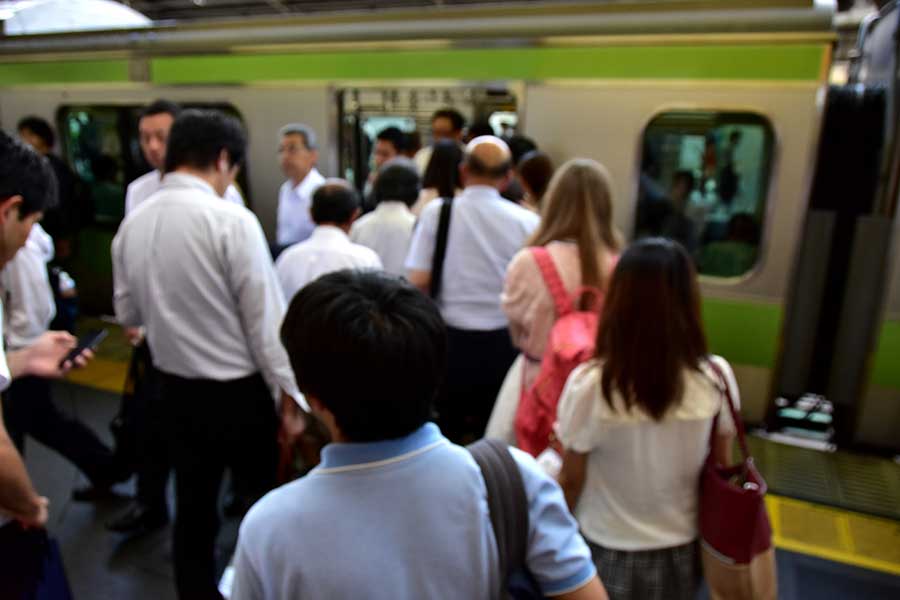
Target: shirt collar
[353,455]
[481,190]
[185,180]
[312,180]
[329,233]
[391,206]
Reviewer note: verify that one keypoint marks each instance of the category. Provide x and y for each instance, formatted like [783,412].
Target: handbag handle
[735,416]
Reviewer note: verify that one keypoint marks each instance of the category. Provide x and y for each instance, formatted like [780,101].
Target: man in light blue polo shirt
[394,510]
[486,231]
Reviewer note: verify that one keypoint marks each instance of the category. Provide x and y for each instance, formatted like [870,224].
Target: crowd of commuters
[405,333]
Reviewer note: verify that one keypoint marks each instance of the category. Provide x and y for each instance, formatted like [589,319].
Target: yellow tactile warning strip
[836,535]
[101,373]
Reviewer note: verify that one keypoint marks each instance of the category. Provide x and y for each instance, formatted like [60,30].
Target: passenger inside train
[434,349]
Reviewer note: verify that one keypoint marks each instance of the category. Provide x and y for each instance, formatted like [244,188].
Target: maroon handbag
[736,536]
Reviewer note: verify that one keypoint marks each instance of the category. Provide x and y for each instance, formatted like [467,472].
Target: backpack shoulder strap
[507,503]
[440,247]
[552,280]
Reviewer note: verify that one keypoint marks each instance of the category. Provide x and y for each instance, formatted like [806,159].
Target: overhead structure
[59,16]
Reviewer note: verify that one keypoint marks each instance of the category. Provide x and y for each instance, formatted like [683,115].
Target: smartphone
[90,341]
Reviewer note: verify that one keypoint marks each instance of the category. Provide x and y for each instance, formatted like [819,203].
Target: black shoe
[94,493]
[139,518]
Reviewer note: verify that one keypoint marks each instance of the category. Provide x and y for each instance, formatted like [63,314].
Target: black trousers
[212,425]
[153,462]
[22,560]
[477,363]
[28,409]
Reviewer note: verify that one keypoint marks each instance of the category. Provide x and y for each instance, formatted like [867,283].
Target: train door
[364,112]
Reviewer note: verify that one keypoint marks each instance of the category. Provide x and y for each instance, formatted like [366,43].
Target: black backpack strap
[507,502]
[440,247]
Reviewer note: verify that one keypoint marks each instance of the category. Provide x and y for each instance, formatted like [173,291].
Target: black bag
[508,506]
[440,247]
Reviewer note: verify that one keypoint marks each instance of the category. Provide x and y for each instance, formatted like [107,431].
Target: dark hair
[160,107]
[457,121]
[479,129]
[651,328]
[519,146]
[442,171]
[397,180]
[686,176]
[198,137]
[412,142]
[24,172]
[335,201]
[371,348]
[394,136]
[536,170]
[39,127]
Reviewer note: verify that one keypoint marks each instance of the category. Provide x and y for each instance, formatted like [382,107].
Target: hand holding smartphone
[90,341]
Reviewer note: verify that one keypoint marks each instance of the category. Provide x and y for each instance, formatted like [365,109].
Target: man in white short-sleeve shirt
[334,207]
[485,233]
[298,152]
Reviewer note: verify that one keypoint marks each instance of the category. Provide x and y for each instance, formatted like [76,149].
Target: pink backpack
[572,341]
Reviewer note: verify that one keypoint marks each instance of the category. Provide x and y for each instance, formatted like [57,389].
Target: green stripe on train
[795,62]
[73,71]
[886,363]
[743,332]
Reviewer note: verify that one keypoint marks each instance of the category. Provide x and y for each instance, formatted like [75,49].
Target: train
[739,96]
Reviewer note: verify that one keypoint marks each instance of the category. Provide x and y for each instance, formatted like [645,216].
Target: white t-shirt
[642,485]
[387,230]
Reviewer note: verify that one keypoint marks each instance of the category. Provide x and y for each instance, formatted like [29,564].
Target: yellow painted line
[101,374]
[836,535]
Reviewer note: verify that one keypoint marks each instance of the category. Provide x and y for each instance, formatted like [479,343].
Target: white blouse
[642,485]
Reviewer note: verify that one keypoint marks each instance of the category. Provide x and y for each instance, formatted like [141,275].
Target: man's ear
[10,207]
[223,163]
[463,174]
[355,214]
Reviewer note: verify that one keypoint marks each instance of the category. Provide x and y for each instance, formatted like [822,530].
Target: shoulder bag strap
[507,503]
[440,247]
[735,416]
[552,280]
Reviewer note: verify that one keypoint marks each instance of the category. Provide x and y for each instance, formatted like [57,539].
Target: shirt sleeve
[557,556]
[246,584]
[127,312]
[28,298]
[576,414]
[260,302]
[726,423]
[421,249]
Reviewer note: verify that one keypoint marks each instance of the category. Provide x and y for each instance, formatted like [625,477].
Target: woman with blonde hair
[578,234]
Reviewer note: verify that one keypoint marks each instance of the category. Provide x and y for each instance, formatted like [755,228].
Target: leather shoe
[139,518]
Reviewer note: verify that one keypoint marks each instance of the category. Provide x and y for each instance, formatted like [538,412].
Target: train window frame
[721,117]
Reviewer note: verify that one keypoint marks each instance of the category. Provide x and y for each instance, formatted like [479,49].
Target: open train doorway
[364,112]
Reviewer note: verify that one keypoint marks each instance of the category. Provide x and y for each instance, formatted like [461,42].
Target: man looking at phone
[26,191]
[198,273]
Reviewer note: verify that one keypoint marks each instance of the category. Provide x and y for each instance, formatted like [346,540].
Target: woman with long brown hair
[635,423]
[578,233]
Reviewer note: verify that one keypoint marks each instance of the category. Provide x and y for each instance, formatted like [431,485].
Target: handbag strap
[440,247]
[507,504]
[552,280]
[735,416]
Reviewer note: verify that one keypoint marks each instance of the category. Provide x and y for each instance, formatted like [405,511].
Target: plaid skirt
[666,574]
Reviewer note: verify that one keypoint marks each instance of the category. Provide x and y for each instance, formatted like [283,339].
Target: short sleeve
[246,584]
[576,415]
[726,423]
[557,556]
[421,249]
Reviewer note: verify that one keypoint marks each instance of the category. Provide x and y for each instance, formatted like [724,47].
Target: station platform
[836,517]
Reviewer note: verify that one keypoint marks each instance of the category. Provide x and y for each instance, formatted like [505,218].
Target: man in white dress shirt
[298,153]
[389,228]
[446,124]
[197,272]
[153,132]
[485,232]
[335,205]
[28,406]
[27,189]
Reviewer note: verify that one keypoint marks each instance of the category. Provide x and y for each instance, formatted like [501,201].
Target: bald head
[488,161]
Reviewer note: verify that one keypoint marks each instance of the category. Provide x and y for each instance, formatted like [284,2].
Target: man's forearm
[17,495]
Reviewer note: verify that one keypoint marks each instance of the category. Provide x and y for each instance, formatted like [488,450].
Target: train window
[703,183]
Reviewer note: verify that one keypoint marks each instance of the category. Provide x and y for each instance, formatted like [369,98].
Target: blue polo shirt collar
[352,456]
